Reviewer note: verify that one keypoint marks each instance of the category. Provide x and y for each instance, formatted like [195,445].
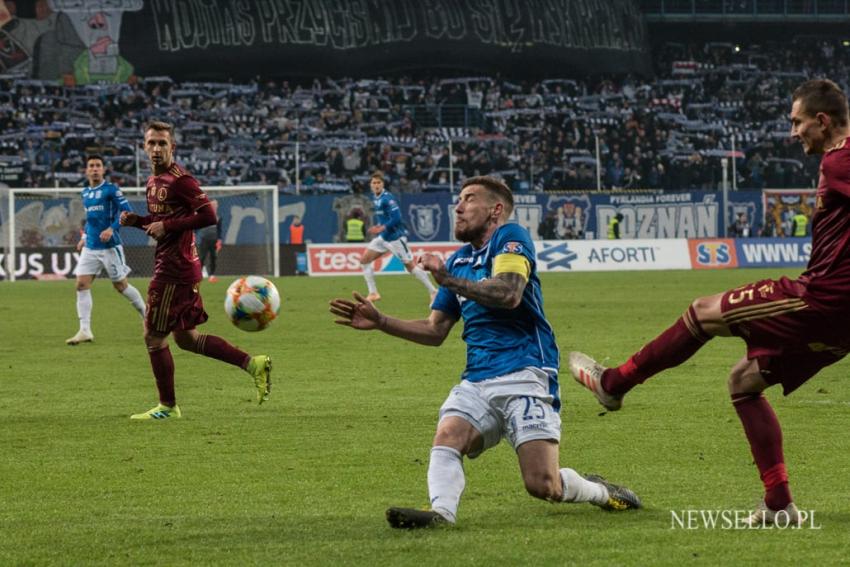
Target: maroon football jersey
[827,277]
[175,194]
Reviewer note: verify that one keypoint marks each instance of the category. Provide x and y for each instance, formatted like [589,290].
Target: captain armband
[512,264]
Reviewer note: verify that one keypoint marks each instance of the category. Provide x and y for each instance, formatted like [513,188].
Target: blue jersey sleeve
[121,204]
[513,239]
[392,213]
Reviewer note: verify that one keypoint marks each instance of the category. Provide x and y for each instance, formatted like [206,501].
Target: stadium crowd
[668,133]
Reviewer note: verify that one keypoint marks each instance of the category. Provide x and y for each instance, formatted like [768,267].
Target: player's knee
[745,379]
[82,286]
[703,306]
[154,342]
[543,485]
[185,341]
[120,286]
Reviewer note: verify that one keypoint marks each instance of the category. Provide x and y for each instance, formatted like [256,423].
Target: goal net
[41,227]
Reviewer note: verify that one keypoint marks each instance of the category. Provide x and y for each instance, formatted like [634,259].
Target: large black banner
[112,40]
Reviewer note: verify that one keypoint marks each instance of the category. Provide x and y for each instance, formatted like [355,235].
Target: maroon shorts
[173,307]
[790,339]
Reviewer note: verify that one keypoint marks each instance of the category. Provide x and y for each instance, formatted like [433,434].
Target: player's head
[95,170]
[159,143]
[485,203]
[376,184]
[818,114]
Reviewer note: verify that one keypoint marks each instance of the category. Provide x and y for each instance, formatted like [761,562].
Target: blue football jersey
[501,341]
[388,213]
[103,205]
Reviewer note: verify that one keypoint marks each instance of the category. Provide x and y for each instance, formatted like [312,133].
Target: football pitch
[305,478]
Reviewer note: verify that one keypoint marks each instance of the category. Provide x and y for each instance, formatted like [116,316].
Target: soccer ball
[252,303]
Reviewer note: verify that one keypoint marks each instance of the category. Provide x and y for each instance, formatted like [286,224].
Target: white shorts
[398,248]
[111,260]
[516,406]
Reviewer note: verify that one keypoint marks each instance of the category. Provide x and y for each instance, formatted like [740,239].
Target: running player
[177,206]
[100,247]
[391,237]
[510,385]
[792,328]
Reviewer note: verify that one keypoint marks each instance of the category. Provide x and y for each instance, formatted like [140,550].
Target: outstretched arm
[361,314]
[503,291]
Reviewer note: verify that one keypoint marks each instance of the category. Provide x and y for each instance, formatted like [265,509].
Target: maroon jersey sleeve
[189,194]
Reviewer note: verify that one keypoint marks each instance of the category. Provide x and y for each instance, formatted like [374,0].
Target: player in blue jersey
[101,247]
[391,236]
[510,385]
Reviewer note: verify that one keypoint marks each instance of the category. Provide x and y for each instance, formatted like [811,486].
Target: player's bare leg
[538,461]
[700,323]
[366,260]
[764,435]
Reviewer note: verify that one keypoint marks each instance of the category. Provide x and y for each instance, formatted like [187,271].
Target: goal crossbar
[47,191]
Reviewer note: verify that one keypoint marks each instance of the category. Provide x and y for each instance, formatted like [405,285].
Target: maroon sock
[163,370]
[218,348]
[671,348]
[765,437]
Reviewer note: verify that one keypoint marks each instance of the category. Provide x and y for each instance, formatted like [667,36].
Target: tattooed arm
[502,291]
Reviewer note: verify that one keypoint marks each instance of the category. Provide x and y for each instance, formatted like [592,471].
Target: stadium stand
[668,132]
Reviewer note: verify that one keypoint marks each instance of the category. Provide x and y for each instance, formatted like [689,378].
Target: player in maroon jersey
[792,328]
[177,207]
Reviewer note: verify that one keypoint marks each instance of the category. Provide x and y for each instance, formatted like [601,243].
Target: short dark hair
[160,126]
[95,156]
[823,95]
[377,175]
[495,187]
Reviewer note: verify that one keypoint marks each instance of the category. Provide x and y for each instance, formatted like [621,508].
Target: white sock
[84,304]
[135,298]
[445,481]
[422,276]
[369,274]
[579,489]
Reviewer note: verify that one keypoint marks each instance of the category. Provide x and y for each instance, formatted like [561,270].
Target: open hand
[360,314]
[377,229]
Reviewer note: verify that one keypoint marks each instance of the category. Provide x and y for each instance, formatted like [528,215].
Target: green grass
[305,478]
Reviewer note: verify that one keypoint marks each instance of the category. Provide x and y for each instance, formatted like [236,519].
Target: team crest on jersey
[425,220]
[512,248]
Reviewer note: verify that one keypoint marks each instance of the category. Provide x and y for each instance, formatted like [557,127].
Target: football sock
[218,348]
[579,489]
[84,305]
[422,276]
[671,348]
[369,274]
[163,370]
[765,437]
[445,481]
[133,295]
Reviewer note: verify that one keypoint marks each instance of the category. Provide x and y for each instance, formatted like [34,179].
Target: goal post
[42,228]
